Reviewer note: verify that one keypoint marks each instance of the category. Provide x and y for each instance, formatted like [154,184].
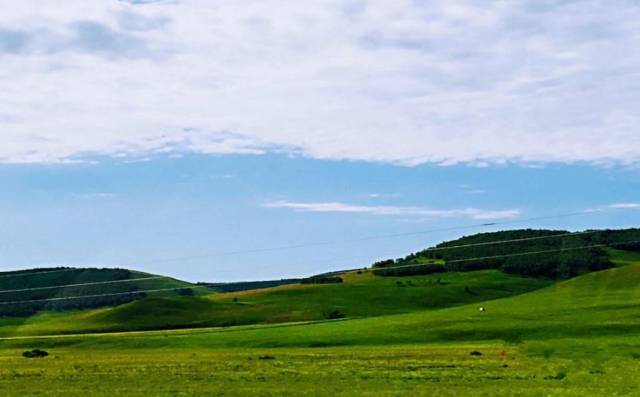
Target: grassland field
[579,337]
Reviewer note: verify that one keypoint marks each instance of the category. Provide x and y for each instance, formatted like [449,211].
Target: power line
[333,242]
[27,273]
[486,243]
[502,223]
[366,238]
[514,255]
[495,242]
[383,268]
[99,295]
[82,284]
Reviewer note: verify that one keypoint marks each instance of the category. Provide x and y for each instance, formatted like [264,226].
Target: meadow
[366,370]
[579,337]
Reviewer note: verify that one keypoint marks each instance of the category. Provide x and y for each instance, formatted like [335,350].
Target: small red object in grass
[503,353]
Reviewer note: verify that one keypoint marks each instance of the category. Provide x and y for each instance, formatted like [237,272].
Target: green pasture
[345,371]
[579,337]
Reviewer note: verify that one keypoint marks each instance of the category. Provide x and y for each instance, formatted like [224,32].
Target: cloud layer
[474,213]
[404,82]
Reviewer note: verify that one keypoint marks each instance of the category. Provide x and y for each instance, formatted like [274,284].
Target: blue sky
[134,132]
[153,215]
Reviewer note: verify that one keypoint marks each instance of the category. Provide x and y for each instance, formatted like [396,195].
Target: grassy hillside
[599,306]
[360,295]
[603,305]
[41,289]
[579,337]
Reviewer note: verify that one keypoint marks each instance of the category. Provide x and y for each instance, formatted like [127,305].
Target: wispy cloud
[625,206]
[474,213]
[403,81]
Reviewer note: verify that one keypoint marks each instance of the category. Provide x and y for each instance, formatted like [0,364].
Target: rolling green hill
[556,254]
[43,289]
[576,337]
[585,312]
[358,294]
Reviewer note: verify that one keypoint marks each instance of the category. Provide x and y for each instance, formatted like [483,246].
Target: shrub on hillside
[333,314]
[35,353]
[185,292]
[322,279]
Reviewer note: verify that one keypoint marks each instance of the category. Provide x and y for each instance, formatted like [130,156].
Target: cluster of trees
[625,239]
[385,263]
[546,253]
[249,285]
[409,270]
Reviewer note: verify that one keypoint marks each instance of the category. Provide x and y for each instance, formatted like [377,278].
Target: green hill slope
[594,316]
[360,295]
[602,304]
[24,293]
[578,337]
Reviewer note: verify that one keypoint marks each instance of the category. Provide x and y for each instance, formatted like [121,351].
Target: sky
[234,140]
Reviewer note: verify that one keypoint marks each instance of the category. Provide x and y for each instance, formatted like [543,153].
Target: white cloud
[405,82]
[474,213]
[625,206]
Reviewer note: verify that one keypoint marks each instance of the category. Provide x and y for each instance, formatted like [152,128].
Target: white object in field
[481,308]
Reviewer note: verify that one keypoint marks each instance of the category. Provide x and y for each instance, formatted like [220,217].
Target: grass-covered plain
[346,371]
[579,337]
